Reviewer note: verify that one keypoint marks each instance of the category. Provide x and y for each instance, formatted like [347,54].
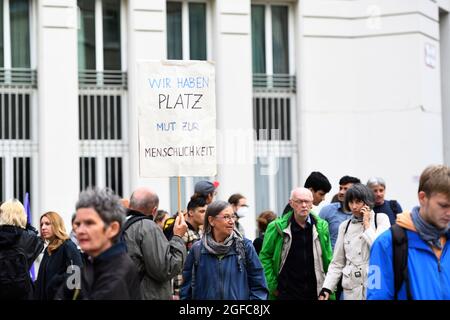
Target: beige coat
[351,256]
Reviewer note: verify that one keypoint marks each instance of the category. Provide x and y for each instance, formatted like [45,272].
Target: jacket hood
[404,220]
[9,235]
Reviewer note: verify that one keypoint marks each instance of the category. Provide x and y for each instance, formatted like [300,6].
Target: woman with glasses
[223,265]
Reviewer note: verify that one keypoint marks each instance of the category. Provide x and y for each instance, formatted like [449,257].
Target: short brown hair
[435,179]
[264,219]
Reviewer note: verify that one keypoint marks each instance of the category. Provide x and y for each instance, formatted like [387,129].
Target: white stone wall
[57,119]
[369,103]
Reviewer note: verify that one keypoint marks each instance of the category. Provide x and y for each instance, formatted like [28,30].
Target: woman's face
[47,229]
[223,224]
[355,206]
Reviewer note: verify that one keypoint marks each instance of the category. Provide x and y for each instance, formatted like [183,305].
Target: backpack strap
[348,225]
[400,260]
[376,224]
[197,251]
[394,206]
[129,222]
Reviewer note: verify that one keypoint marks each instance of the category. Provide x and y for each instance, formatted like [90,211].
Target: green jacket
[272,248]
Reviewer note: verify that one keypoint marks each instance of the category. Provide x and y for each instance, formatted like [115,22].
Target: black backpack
[15,280]
[400,260]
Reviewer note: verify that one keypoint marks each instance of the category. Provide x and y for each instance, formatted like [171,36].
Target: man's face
[198,215]
[378,192]
[435,209]
[318,196]
[301,203]
[92,234]
[342,190]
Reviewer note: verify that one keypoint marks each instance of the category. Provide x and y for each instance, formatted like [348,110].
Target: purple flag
[26,204]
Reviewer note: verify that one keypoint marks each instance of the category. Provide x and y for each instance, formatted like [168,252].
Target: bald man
[157,259]
[296,251]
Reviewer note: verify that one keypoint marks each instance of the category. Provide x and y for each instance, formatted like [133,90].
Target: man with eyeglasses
[296,251]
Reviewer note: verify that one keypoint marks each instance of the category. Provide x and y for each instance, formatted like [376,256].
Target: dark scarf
[429,233]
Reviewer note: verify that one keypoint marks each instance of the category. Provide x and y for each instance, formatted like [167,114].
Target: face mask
[242,212]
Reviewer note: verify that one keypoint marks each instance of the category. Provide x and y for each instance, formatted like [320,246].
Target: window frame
[185,28]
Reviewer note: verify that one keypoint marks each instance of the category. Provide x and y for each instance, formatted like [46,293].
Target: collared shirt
[334,215]
[297,280]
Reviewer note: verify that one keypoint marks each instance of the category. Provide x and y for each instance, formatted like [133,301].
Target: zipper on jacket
[221,279]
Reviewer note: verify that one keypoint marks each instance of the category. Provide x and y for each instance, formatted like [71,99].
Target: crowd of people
[359,247]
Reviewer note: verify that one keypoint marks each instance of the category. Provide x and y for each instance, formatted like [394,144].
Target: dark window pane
[87,172]
[197,31]
[280,49]
[1,36]
[258,39]
[118,117]
[174,33]
[111,35]
[22,177]
[20,33]
[86,35]
[114,174]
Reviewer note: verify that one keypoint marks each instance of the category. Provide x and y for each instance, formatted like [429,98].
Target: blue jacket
[226,278]
[429,279]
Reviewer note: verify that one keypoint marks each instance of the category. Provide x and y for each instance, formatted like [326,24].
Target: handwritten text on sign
[177,118]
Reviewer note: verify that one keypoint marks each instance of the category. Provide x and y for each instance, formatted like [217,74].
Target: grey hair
[376,181]
[104,202]
[214,208]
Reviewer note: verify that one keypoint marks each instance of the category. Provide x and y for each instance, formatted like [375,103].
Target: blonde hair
[59,231]
[12,213]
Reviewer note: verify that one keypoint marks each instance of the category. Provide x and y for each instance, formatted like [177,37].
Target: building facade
[352,87]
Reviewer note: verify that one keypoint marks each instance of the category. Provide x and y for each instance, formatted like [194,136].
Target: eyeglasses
[299,201]
[227,217]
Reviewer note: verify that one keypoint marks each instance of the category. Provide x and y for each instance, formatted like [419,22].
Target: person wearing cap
[206,189]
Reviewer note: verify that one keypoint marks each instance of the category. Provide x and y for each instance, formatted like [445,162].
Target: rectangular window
[2,56]
[271,118]
[100,117]
[111,35]
[197,31]
[258,39]
[22,177]
[86,35]
[20,33]
[179,31]
[174,31]
[280,47]
[262,199]
[114,174]
[283,183]
[15,116]
[87,172]
[273,183]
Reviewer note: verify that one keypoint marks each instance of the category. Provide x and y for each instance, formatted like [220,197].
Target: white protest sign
[177,118]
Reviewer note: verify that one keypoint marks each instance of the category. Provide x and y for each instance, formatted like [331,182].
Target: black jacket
[27,239]
[110,276]
[53,269]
